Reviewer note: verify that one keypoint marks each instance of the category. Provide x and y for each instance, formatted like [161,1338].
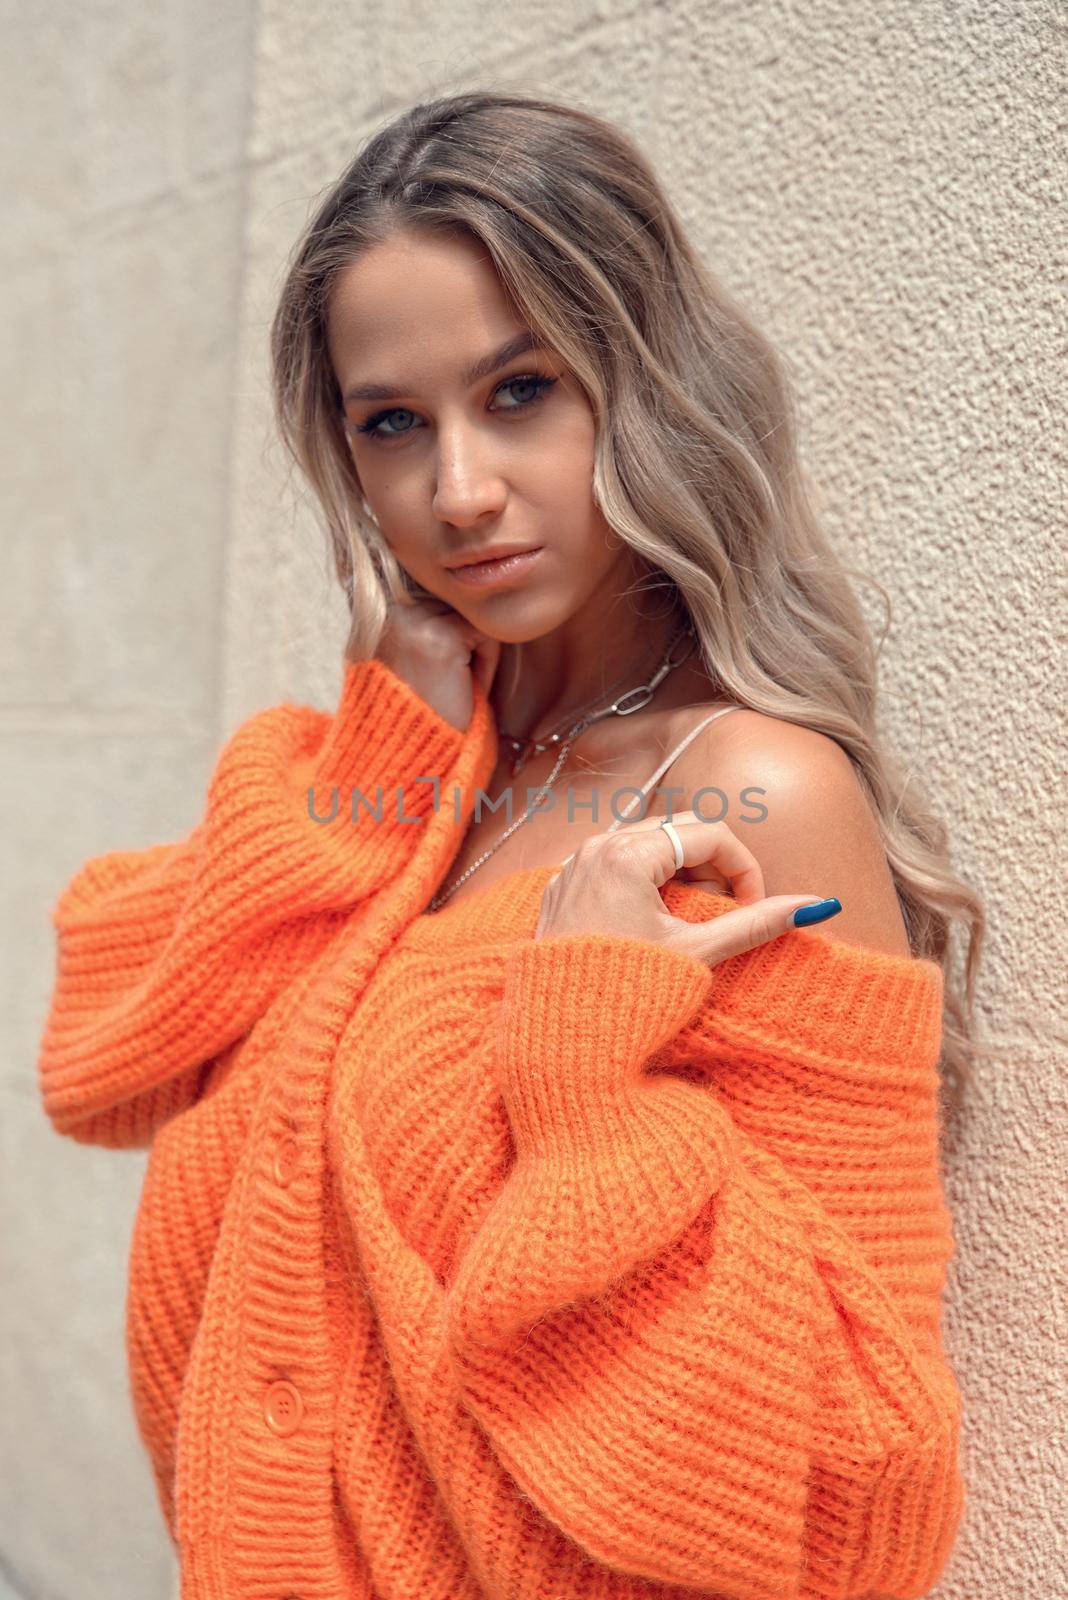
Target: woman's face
[449,464]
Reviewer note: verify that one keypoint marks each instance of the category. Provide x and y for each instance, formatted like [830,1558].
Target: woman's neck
[539,683]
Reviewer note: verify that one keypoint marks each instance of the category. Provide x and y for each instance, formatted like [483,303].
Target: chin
[522,625]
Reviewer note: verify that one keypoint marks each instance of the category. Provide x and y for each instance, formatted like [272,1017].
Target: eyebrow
[517,345]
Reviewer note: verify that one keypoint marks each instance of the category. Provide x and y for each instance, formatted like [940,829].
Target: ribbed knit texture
[470,1266]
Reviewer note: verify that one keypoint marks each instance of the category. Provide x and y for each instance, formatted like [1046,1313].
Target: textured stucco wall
[885,187]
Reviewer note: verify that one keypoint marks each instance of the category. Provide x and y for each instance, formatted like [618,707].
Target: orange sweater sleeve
[678,1352]
[167,955]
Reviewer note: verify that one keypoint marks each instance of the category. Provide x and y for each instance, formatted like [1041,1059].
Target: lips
[491,553]
[492,573]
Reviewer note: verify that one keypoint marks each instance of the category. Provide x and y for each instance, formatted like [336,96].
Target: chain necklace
[523,749]
[634,700]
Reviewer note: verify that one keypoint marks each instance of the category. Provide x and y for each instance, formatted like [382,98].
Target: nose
[468,488]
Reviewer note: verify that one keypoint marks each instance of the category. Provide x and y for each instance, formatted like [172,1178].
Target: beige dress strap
[668,761]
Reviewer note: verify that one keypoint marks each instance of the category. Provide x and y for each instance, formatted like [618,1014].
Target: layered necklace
[522,749]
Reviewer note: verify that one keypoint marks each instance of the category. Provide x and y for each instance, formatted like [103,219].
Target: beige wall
[882,185]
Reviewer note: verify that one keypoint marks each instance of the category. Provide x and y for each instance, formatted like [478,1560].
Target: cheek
[399,519]
[417,561]
[568,511]
[564,493]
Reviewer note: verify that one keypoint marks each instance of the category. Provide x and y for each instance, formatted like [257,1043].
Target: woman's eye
[373,424]
[372,428]
[540,386]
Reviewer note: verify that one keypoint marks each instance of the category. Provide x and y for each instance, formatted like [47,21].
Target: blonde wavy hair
[696,462]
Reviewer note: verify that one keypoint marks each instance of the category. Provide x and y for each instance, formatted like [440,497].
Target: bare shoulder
[794,797]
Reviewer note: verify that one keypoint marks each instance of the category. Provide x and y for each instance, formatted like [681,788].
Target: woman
[531,1209]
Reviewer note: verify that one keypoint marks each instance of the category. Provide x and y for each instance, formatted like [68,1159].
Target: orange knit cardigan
[469,1266]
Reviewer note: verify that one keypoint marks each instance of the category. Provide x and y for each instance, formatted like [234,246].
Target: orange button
[283,1407]
[286,1160]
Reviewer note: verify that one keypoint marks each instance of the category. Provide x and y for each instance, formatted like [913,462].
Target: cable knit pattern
[179,948]
[480,1267]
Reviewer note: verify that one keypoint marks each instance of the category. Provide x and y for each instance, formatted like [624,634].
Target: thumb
[743,929]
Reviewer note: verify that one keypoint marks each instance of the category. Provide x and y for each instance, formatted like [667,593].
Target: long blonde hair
[696,463]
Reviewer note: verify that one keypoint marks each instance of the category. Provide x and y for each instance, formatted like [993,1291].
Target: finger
[736,931]
[706,878]
[711,846]
[714,870]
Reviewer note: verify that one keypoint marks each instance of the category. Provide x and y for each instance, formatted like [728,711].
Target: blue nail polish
[818,911]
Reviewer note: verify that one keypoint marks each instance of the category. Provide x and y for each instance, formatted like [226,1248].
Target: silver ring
[676,843]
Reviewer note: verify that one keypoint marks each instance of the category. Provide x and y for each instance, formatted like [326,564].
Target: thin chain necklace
[523,749]
[633,700]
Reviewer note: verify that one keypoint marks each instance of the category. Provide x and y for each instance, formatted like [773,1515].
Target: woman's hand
[611,884]
[439,653]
